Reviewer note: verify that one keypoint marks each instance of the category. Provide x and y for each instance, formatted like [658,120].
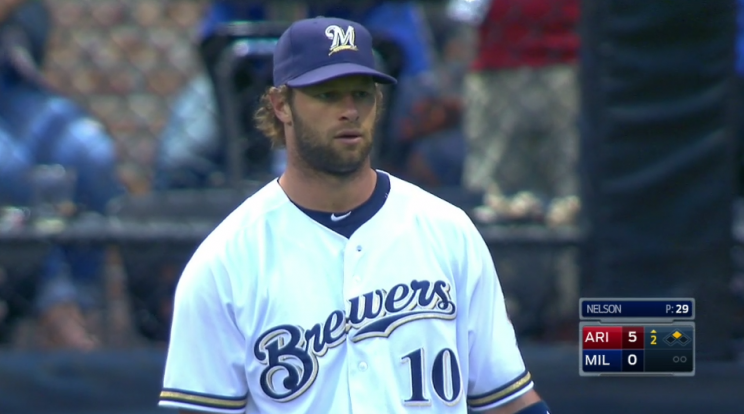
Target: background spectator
[43,127]
[521,111]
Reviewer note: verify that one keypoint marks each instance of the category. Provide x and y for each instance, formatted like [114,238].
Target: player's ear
[280,103]
[379,103]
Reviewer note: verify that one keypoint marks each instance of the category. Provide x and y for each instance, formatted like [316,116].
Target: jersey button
[362,366]
[359,248]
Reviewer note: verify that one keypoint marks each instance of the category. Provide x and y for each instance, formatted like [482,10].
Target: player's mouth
[349,136]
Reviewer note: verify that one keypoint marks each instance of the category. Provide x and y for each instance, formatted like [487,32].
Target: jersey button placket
[357,366]
[352,279]
[357,278]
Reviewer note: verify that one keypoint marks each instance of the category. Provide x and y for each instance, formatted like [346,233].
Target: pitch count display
[630,337]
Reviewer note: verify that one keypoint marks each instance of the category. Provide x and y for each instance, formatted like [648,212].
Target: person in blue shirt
[39,126]
[190,153]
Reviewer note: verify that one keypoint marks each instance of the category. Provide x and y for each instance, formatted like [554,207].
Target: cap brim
[339,70]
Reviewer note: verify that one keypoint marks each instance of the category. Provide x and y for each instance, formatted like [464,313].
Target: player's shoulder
[228,249]
[265,204]
[428,207]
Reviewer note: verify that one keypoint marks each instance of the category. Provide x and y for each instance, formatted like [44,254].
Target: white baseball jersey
[276,313]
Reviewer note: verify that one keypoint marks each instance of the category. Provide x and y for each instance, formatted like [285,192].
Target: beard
[319,152]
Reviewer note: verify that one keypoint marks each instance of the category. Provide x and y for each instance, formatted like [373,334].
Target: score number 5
[632,337]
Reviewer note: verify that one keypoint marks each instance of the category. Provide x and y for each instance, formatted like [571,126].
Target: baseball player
[337,288]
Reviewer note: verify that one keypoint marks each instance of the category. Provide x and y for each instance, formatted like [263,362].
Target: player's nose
[350,109]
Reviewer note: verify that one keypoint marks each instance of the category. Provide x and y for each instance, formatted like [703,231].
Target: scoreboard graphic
[637,337]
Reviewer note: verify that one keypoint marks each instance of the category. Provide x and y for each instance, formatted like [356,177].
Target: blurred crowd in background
[111,97]
[122,95]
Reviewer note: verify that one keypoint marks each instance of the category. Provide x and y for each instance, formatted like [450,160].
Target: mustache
[347,127]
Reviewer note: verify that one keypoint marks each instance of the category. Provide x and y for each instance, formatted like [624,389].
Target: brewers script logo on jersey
[342,40]
[292,352]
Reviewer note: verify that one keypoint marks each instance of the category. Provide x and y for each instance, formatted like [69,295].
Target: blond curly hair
[267,121]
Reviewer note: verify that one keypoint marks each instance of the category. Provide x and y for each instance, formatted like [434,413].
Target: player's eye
[361,94]
[334,95]
[326,96]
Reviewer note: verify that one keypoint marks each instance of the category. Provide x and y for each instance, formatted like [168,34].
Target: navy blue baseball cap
[313,51]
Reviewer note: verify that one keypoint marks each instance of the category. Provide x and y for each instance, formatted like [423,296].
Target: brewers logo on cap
[342,40]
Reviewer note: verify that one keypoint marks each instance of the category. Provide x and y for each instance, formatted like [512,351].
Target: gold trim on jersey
[203,400]
[482,400]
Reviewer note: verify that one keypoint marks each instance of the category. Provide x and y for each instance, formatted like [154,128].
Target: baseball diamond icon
[675,337]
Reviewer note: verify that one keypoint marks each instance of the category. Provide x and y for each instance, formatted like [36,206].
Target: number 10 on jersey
[443,375]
